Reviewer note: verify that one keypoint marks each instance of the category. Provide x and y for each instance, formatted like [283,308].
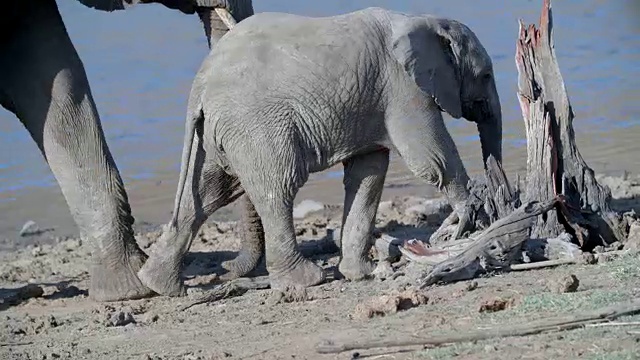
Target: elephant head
[448,62]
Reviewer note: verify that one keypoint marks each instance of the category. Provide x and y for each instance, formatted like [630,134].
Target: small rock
[120,318]
[587,259]
[275,298]
[490,348]
[72,244]
[385,207]
[607,257]
[383,270]
[614,246]
[37,251]
[633,239]
[306,207]
[151,317]
[472,286]
[496,304]
[565,284]
[30,228]
[390,304]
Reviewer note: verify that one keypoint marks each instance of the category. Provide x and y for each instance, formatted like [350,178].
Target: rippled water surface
[140,64]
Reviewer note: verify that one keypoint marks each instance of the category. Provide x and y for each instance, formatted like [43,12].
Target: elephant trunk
[490,132]
[488,117]
[214,27]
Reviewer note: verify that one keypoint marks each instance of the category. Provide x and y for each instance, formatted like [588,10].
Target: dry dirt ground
[62,323]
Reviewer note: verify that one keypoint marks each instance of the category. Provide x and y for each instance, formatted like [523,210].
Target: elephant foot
[303,275]
[243,264]
[356,269]
[162,275]
[118,281]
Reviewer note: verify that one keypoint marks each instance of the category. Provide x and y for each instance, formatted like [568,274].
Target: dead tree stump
[554,164]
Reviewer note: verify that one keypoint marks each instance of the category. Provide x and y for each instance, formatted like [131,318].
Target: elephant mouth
[477,111]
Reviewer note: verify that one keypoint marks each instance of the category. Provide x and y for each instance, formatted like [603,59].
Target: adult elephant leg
[207,189]
[363,183]
[252,244]
[418,131]
[44,83]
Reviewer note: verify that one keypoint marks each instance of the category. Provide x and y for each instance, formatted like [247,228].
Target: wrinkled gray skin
[302,94]
[43,82]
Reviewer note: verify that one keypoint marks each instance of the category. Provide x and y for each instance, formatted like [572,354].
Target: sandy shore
[59,321]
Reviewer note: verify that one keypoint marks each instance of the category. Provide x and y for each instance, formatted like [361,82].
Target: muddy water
[141,62]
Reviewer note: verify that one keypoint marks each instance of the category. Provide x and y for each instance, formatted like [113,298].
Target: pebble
[121,318]
[30,228]
[633,239]
[37,251]
[565,284]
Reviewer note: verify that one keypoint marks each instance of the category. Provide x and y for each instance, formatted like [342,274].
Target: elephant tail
[194,119]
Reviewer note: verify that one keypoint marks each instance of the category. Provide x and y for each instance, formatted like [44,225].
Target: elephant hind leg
[252,250]
[363,184]
[271,179]
[207,189]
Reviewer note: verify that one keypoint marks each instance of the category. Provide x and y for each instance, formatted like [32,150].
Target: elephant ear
[427,57]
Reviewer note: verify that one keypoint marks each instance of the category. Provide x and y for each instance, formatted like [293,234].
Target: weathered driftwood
[489,200]
[542,264]
[496,248]
[11,297]
[537,253]
[229,289]
[520,329]
[554,164]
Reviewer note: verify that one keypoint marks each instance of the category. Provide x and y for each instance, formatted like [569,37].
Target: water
[141,62]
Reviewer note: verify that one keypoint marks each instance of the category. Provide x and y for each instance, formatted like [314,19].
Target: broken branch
[233,288]
[528,328]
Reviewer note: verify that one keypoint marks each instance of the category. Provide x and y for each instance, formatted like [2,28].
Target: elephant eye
[486,77]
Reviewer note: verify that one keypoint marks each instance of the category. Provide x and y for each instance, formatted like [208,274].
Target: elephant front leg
[418,131]
[363,183]
[43,82]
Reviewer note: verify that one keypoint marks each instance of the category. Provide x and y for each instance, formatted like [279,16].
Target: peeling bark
[554,164]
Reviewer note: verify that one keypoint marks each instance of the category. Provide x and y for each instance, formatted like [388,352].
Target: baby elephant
[282,96]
